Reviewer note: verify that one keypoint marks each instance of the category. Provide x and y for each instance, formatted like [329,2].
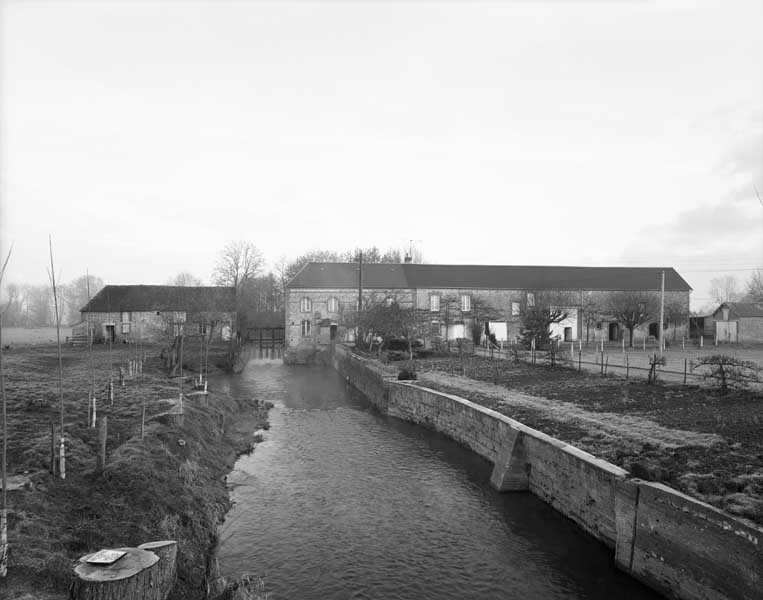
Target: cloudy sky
[144,135]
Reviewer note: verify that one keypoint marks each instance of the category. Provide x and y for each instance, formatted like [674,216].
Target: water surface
[342,502]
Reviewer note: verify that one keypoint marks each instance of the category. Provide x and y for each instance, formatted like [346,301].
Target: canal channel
[341,502]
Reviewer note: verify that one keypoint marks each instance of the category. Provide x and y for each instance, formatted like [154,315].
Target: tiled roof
[119,298]
[510,277]
[345,275]
[744,309]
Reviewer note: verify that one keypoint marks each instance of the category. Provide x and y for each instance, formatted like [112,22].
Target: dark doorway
[614,332]
[332,333]
[568,334]
[111,333]
[654,330]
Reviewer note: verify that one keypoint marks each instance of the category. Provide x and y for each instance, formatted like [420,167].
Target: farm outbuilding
[739,322]
[153,312]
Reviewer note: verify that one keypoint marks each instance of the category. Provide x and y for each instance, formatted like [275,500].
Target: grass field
[690,437]
[22,336]
[152,487]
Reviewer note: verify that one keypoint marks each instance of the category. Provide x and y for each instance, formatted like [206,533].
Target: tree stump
[167,551]
[133,576]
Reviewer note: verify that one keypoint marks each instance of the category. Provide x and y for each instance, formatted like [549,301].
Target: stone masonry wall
[344,316]
[486,304]
[675,544]
[147,326]
[750,329]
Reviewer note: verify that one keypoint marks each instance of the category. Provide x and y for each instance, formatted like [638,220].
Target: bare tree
[632,309]
[755,287]
[677,314]
[591,312]
[185,279]
[4,513]
[728,371]
[724,289]
[238,262]
[543,309]
[79,292]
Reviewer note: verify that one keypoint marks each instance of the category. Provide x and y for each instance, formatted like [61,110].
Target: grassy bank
[169,484]
[704,444]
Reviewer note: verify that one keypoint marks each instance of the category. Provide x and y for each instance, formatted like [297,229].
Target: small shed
[739,322]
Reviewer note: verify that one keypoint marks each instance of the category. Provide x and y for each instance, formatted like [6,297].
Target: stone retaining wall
[675,544]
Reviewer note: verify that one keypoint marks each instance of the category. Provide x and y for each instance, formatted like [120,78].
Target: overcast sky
[145,135]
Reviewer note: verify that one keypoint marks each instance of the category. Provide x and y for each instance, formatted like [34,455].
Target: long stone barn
[153,313]
[463,301]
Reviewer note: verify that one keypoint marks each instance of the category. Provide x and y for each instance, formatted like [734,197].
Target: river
[341,502]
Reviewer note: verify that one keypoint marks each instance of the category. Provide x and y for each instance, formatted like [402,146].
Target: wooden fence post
[52,448]
[102,434]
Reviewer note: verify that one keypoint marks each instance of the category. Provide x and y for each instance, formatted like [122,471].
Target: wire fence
[674,366]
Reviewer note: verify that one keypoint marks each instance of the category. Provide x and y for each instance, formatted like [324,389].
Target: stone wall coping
[727,521]
[576,452]
[673,542]
[600,463]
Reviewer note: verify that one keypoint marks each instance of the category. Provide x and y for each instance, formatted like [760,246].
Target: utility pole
[761,224]
[662,309]
[360,295]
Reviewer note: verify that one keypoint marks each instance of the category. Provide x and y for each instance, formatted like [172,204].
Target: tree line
[729,289]
[240,264]
[28,305]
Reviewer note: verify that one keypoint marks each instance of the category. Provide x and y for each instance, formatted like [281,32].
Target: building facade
[738,322]
[154,313]
[466,301]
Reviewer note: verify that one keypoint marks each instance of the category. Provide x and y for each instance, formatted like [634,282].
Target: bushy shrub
[406,374]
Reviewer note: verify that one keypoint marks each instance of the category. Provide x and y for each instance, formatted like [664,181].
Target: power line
[718,269]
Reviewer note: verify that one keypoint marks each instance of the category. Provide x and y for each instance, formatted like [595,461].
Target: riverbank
[675,544]
[692,438]
[167,484]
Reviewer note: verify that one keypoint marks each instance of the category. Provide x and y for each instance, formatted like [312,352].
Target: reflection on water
[341,502]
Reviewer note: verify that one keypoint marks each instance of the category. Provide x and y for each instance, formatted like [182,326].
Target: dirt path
[690,437]
[617,426]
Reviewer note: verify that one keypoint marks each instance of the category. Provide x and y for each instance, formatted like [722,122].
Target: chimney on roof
[408,259]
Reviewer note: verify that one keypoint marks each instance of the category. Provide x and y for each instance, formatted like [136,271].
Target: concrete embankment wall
[676,544]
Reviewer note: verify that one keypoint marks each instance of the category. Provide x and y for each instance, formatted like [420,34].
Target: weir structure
[673,543]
